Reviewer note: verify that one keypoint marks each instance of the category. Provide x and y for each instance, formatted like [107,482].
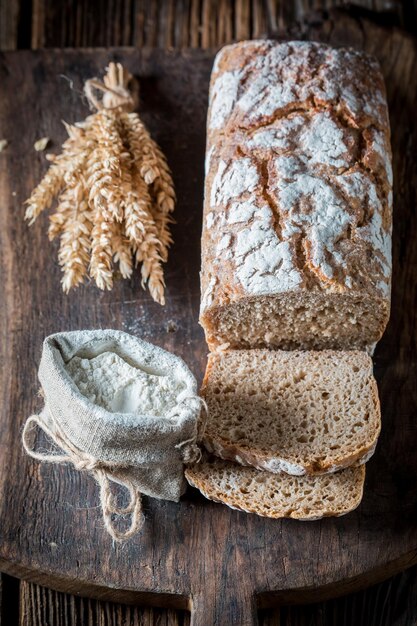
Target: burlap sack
[144,453]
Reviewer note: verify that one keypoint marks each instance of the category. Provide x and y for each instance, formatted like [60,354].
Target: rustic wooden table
[203,24]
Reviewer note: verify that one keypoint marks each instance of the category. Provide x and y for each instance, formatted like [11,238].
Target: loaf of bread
[296,412]
[296,244]
[278,495]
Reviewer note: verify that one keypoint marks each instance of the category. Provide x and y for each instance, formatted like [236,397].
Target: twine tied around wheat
[115,90]
[114,192]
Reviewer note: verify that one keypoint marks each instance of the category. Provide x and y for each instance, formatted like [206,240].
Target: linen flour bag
[121,408]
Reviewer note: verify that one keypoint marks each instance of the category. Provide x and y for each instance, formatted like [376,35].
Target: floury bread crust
[294,412]
[296,244]
[277,496]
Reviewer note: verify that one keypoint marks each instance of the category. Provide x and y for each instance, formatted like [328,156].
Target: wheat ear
[105,166]
[74,251]
[114,189]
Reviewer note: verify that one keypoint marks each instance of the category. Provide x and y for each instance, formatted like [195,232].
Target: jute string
[115,90]
[103,472]
[190,451]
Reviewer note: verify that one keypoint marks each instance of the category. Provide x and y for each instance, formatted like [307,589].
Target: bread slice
[278,495]
[294,412]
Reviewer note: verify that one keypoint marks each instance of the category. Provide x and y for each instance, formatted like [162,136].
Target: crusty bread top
[272,495]
[298,174]
[295,412]
[253,81]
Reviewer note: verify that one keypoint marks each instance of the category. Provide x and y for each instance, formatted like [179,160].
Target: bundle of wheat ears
[114,193]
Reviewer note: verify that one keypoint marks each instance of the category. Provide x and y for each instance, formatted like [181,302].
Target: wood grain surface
[391,603]
[219,563]
[40,607]
[166,23]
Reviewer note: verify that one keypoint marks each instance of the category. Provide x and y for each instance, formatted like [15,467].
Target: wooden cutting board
[219,563]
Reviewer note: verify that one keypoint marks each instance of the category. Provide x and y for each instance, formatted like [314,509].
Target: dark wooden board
[197,555]
[390,603]
[40,606]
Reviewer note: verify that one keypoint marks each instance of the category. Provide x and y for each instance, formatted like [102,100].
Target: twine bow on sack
[190,451]
[103,473]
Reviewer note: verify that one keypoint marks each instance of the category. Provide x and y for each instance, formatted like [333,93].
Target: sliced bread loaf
[296,242]
[278,495]
[294,412]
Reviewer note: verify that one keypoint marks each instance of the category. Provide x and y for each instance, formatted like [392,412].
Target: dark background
[199,24]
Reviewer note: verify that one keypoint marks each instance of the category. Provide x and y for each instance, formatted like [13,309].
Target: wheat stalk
[105,166]
[137,210]
[151,270]
[74,251]
[44,194]
[63,167]
[101,267]
[150,161]
[123,251]
[139,141]
[152,167]
[114,193]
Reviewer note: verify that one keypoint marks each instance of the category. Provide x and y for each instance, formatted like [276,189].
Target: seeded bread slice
[278,495]
[294,412]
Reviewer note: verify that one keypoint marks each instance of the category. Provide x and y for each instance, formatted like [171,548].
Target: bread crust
[240,502]
[230,451]
[298,189]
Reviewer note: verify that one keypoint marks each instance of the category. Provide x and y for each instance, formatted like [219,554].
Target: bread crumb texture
[298,197]
[293,412]
[278,495]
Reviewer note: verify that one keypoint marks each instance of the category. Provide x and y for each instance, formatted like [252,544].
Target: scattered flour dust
[112,383]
